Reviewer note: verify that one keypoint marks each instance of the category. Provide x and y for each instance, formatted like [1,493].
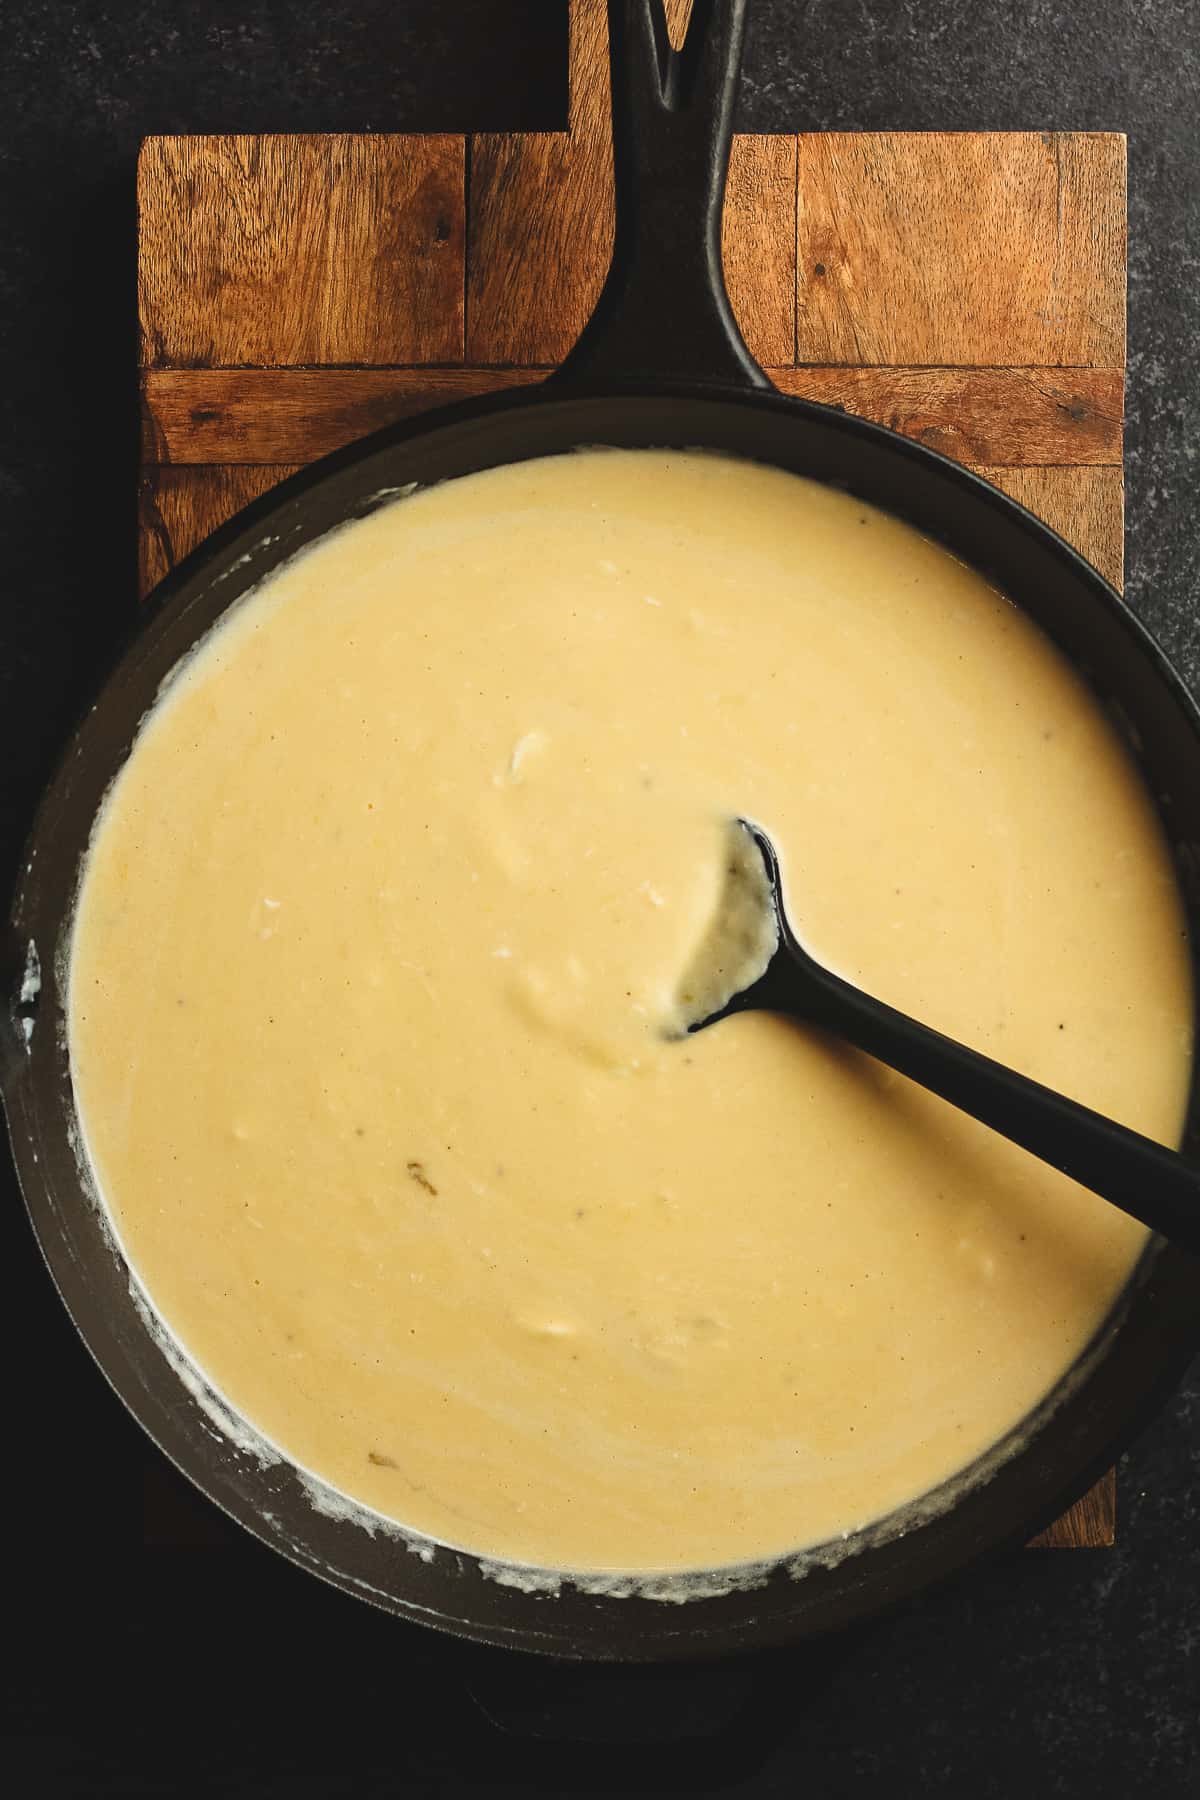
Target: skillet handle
[663,317]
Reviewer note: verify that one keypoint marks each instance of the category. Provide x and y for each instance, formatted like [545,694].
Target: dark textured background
[148,1671]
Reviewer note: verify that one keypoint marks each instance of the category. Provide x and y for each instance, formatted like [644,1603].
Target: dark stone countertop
[152,1671]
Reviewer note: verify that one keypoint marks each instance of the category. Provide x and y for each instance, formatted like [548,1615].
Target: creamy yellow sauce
[381,933]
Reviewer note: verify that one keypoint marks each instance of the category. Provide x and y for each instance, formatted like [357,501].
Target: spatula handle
[1145,1179]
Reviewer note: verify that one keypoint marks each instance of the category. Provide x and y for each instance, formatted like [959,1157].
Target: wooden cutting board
[297,292]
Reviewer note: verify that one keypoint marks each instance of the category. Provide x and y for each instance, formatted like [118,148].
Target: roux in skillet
[379,932]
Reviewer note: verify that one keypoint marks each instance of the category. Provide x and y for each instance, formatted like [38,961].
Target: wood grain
[540,228]
[296,293]
[948,248]
[981,415]
[1087,506]
[292,415]
[1091,1524]
[996,416]
[538,239]
[301,250]
[757,247]
[179,508]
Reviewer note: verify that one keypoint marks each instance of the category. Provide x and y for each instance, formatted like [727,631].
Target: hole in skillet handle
[663,319]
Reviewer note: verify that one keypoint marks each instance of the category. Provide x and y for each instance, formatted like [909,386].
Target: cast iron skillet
[661,363]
